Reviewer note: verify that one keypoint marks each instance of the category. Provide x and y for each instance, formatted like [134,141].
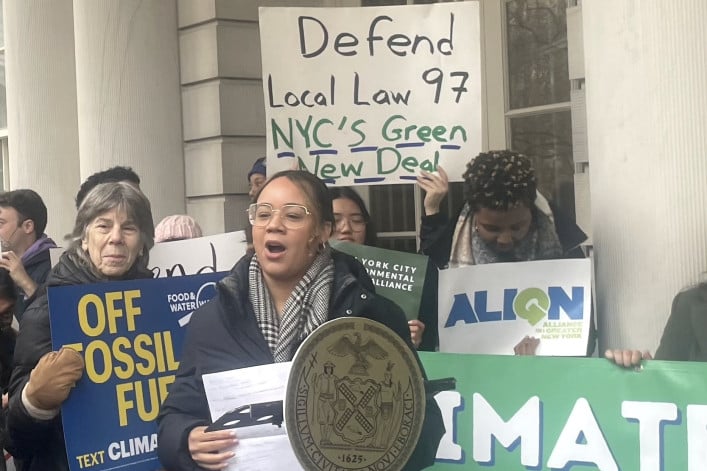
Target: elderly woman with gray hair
[110,241]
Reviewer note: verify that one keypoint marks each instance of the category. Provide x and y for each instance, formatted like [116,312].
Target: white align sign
[490,308]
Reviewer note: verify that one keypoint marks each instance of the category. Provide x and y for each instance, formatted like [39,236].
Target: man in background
[25,246]
[256,179]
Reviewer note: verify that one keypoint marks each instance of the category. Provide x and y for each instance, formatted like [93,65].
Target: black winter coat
[437,232]
[37,268]
[39,444]
[224,335]
[685,334]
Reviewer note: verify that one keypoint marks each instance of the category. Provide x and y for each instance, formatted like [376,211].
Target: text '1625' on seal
[355,398]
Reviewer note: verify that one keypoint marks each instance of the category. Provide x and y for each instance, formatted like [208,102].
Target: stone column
[224,109]
[646,71]
[128,94]
[41,105]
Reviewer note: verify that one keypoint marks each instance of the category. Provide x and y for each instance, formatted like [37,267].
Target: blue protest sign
[130,334]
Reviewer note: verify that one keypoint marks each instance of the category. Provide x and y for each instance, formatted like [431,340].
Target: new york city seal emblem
[355,398]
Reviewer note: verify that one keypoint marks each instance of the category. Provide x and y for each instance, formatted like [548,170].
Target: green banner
[518,413]
[399,276]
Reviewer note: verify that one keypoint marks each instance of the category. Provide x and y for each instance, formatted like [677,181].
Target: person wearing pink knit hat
[177,227]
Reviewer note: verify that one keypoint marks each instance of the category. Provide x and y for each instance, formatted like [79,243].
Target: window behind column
[537,113]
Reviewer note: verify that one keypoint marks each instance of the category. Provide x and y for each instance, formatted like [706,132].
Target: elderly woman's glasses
[293,216]
[357,223]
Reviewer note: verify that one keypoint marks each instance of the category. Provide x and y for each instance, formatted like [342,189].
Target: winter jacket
[437,231]
[224,335]
[39,444]
[7,346]
[685,334]
[37,263]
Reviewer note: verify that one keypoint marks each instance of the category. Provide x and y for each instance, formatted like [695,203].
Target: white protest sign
[190,256]
[372,95]
[201,255]
[262,446]
[490,308]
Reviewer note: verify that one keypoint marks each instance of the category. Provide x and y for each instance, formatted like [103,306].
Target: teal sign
[399,276]
[571,414]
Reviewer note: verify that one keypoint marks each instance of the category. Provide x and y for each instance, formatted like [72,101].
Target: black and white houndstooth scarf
[305,310]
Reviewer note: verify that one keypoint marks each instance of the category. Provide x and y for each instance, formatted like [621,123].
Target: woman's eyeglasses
[293,216]
[357,223]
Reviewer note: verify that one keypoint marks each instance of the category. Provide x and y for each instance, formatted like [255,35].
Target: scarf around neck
[305,310]
[468,248]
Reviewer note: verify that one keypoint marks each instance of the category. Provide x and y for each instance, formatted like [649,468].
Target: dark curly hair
[113,174]
[499,180]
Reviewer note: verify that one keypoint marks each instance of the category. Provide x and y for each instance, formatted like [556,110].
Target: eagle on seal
[359,350]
